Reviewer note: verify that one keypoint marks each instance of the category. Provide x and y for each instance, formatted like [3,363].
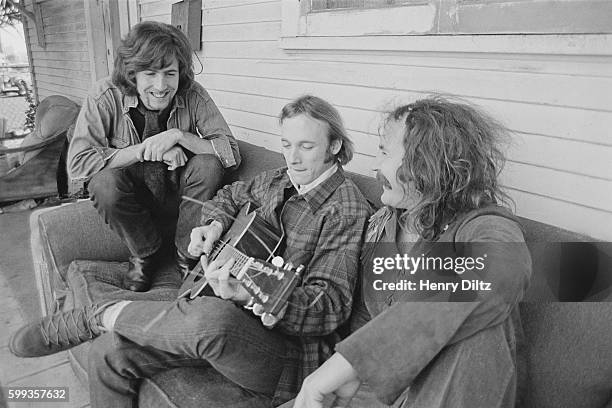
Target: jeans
[134,212]
[203,332]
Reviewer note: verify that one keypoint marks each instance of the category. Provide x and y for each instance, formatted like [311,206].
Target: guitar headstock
[270,284]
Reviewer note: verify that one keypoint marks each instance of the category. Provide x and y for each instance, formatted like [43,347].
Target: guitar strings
[242,262]
[219,246]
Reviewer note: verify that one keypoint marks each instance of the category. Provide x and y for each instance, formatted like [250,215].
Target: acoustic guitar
[253,243]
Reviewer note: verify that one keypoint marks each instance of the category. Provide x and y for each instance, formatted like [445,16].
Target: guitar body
[253,243]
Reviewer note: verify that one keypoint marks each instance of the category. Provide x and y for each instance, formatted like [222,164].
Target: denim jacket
[104,126]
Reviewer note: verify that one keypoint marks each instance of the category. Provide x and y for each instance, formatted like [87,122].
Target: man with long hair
[146,136]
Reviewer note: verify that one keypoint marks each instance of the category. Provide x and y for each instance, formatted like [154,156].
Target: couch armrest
[59,235]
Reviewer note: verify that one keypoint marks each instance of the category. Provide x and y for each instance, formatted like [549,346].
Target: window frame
[429,30]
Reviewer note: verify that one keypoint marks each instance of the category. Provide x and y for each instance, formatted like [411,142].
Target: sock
[111,313]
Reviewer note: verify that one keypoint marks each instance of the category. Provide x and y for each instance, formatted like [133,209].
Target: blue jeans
[135,213]
[203,332]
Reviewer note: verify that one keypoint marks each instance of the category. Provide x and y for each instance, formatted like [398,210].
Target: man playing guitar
[322,215]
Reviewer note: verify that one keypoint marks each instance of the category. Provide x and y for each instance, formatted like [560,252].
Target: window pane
[326,5]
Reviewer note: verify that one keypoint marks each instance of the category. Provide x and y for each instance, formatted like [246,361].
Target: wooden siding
[558,107]
[62,67]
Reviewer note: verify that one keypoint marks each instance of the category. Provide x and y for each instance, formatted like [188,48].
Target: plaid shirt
[324,232]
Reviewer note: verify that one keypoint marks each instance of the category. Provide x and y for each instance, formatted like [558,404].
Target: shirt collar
[321,192]
[131,101]
[315,183]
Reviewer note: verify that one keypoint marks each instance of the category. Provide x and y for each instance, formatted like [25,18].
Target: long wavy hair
[152,45]
[322,110]
[452,159]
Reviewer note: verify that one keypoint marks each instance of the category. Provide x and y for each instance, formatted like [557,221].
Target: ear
[335,146]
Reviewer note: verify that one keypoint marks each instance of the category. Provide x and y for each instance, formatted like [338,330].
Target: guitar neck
[227,251]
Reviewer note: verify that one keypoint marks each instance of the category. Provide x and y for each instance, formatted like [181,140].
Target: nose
[293,155]
[159,82]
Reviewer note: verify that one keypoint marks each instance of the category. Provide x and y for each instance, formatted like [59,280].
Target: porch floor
[19,304]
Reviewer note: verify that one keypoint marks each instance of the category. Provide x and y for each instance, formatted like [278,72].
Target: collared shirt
[313,184]
[324,231]
[104,126]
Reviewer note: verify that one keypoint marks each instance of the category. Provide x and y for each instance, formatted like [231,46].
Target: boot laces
[72,327]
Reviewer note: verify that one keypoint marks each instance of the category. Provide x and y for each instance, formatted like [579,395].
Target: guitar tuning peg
[258,310]
[268,319]
[278,261]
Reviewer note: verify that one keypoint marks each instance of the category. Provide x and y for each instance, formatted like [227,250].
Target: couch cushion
[568,355]
[196,388]
[76,231]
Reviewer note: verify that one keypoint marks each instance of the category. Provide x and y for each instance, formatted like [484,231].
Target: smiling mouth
[160,95]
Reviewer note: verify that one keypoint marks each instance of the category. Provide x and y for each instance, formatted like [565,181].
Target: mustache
[382,179]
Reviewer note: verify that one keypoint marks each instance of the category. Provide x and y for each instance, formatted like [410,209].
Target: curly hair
[152,45]
[452,159]
[322,110]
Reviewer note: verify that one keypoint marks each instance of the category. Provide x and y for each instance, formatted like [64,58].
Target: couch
[568,351]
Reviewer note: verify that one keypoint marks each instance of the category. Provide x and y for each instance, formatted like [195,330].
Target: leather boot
[140,273]
[184,264]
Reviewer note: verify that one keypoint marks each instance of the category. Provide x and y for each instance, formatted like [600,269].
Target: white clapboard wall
[62,66]
[559,107]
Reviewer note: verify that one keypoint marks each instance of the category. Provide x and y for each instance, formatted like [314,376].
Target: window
[327,5]
[306,23]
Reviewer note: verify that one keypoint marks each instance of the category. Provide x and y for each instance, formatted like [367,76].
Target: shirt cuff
[210,214]
[223,150]
[88,163]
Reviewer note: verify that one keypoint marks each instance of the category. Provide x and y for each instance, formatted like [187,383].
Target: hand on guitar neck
[218,276]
